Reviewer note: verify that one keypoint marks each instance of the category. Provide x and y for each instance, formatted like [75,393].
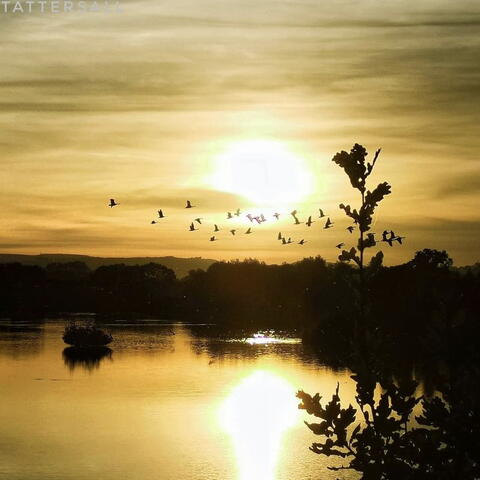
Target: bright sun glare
[264,171]
[256,414]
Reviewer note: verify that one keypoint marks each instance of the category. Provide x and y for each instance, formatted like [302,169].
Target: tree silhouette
[384,443]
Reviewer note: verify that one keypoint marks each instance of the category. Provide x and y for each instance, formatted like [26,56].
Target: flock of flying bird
[387,236]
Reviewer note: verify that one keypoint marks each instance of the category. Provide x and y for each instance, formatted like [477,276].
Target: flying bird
[276,215]
[399,239]
[233,232]
[213,239]
[192,227]
[289,240]
[113,203]
[153,222]
[279,236]
[160,214]
[321,213]
[189,205]
[309,222]
[340,245]
[262,218]
[250,217]
[216,228]
[294,215]
[390,239]
[328,223]
[237,212]
[229,215]
[248,231]
[351,229]
[302,242]
[198,220]
[284,242]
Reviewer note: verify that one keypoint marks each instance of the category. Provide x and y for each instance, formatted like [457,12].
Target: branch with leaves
[358,170]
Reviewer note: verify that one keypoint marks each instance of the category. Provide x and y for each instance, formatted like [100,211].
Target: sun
[263,171]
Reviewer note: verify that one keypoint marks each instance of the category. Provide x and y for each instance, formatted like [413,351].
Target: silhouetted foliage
[85,335]
[422,304]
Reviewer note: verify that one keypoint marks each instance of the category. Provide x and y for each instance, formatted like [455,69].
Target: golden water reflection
[256,415]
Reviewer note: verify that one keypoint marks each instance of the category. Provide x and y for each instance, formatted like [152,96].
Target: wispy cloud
[133,104]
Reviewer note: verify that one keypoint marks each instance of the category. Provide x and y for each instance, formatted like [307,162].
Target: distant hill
[181,266]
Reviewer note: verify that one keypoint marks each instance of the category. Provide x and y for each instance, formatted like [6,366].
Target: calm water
[163,405]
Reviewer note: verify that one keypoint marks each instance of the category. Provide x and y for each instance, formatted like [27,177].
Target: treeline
[28,291]
[419,307]
[311,296]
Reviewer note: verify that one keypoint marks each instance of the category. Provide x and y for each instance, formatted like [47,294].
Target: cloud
[466,184]
[129,103]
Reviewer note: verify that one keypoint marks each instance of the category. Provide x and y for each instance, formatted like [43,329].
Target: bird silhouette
[351,229]
[276,215]
[284,242]
[340,245]
[198,220]
[258,220]
[321,213]
[262,218]
[309,222]
[289,240]
[229,215]
[399,239]
[250,217]
[328,223]
[192,227]
[189,205]
[302,242]
[233,232]
[153,222]
[160,214]
[390,239]
[294,215]
[279,236]
[113,203]
[213,239]
[248,231]
[216,228]
[237,212]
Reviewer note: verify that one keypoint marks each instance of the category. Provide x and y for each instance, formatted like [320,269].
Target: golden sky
[149,105]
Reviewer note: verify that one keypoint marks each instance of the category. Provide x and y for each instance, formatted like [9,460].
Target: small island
[85,336]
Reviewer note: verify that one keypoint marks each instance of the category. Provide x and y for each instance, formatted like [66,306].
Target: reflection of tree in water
[87,358]
[222,343]
[22,339]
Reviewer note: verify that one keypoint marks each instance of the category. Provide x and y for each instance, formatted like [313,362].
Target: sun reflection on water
[256,414]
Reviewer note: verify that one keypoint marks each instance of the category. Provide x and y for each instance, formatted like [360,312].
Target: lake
[163,404]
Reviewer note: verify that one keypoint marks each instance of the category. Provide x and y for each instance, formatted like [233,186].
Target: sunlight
[264,171]
[256,414]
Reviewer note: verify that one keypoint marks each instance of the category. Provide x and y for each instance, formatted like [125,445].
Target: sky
[238,104]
